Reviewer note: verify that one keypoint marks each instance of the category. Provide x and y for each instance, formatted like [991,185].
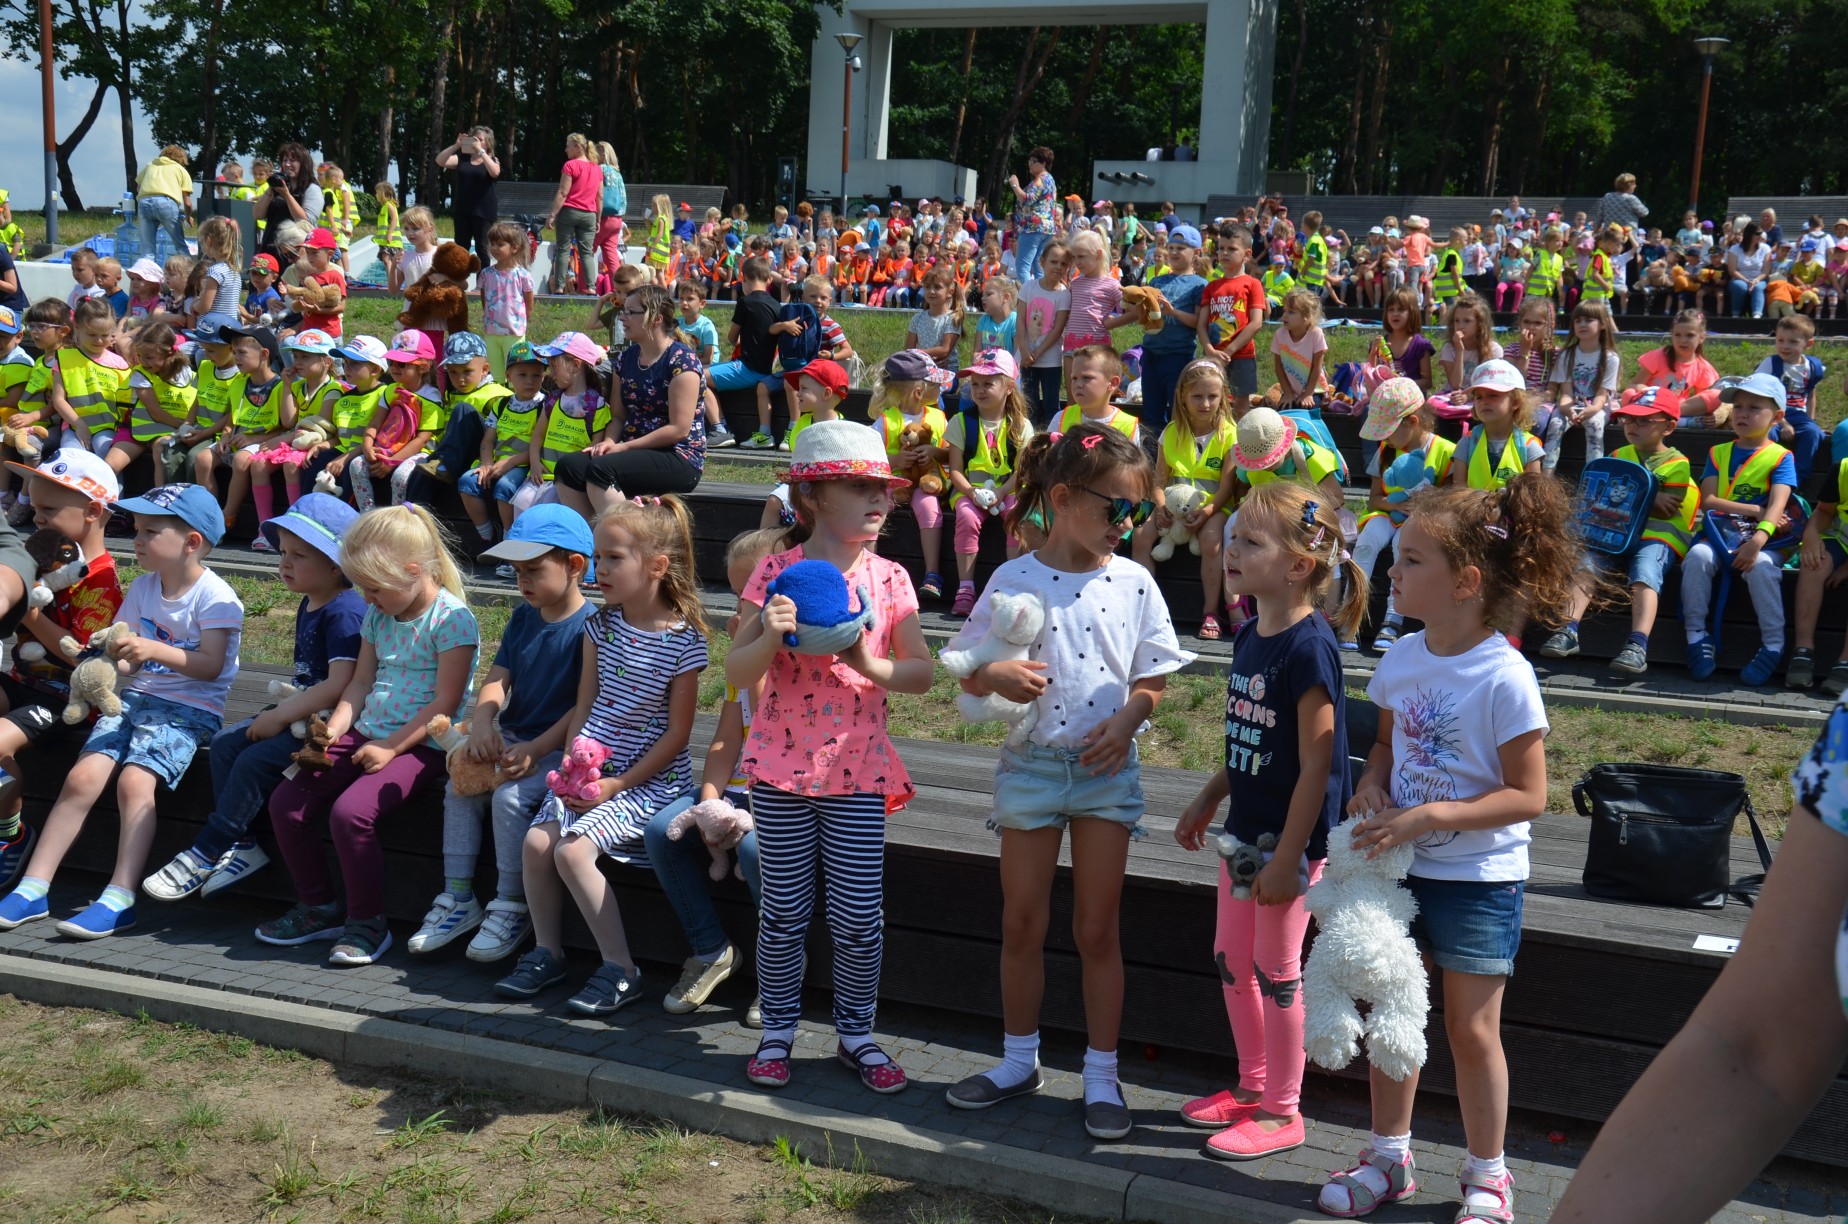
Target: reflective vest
[1121,421]
[1512,463]
[15,371]
[1438,454]
[513,426]
[566,434]
[312,403]
[254,418]
[14,238]
[176,402]
[1277,282]
[1189,463]
[90,389]
[1314,270]
[352,413]
[38,380]
[1316,464]
[342,213]
[1600,266]
[993,464]
[212,395]
[485,399]
[1671,469]
[1447,285]
[797,426]
[1840,534]
[660,241]
[1543,277]
[388,235]
[892,424]
[1752,482]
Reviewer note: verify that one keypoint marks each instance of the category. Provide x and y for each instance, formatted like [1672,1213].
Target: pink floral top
[821,728]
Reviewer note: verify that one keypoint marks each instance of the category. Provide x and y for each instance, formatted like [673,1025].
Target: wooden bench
[1599,986]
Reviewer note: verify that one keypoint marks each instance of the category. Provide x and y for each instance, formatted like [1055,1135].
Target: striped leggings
[848,831]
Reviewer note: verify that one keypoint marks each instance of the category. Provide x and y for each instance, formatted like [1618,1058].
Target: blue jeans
[682,867]
[244,772]
[157,212]
[1041,383]
[1160,372]
[1026,255]
[1807,442]
[1739,291]
[504,488]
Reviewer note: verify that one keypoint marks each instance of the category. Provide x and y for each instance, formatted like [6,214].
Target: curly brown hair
[1522,538]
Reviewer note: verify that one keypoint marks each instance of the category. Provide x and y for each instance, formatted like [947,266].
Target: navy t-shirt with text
[1268,677]
[326,635]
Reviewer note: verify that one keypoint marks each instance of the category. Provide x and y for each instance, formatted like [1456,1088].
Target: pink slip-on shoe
[1247,1140]
[769,1067]
[885,1078]
[1217,1112]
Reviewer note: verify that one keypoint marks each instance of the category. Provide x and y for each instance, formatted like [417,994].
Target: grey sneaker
[303,924]
[363,943]
[536,971]
[1632,660]
[1562,645]
[719,438]
[503,930]
[1801,674]
[698,979]
[447,920]
[1836,682]
[608,990]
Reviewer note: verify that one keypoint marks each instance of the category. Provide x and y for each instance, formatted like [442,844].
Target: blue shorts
[735,376]
[160,736]
[1468,926]
[1046,788]
[1836,552]
[1650,564]
[504,488]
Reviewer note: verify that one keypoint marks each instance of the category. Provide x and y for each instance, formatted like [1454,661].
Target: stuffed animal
[582,772]
[1147,302]
[925,477]
[438,300]
[987,497]
[283,690]
[1245,859]
[58,562]
[96,672]
[327,482]
[721,826]
[1364,951]
[316,431]
[1404,476]
[313,752]
[314,297]
[1016,622]
[825,621]
[467,775]
[28,442]
[1182,500]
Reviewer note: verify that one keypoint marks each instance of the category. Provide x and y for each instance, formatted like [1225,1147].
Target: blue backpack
[1615,499]
[798,350]
[1310,423]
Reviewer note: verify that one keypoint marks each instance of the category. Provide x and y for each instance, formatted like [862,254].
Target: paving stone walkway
[209,944]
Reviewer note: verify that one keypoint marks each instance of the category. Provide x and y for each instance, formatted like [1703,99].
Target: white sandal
[1502,1187]
[1400,1185]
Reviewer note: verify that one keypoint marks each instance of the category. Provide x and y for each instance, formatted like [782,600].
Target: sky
[97,163]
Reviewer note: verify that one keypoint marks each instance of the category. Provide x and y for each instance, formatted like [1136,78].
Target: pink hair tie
[1092,441]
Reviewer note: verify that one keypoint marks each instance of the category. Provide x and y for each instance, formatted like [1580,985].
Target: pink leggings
[928,509]
[1260,954]
[970,519]
[1508,295]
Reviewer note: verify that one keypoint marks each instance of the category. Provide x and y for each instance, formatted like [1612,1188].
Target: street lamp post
[848,42]
[1708,48]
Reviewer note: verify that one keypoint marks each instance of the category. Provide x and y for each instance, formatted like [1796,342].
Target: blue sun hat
[318,520]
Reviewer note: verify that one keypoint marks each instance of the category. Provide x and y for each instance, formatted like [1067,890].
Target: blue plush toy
[825,625]
[1404,476]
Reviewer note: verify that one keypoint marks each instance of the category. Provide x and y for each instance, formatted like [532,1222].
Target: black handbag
[1661,835]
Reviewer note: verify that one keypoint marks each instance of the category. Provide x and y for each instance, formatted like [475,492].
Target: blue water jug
[128,233]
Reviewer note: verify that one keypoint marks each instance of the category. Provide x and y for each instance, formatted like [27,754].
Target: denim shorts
[158,735]
[1242,373]
[1468,926]
[1650,564]
[1046,788]
[735,376]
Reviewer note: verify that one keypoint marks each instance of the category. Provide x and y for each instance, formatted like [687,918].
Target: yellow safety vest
[797,426]
[1672,469]
[90,389]
[1752,482]
[1188,463]
[1121,421]
[1315,262]
[485,399]
[15,371]
[1512,463]
[993,463]
[176,402]
[388,235]
[38,382]
[352,413]
[1840,534]
[247,417]
[312,403]
[1438,454]
[1318,464]
[212,396]
[1277,282]
[566,434]
[1447,285]
[1543,276]
[513,427]
[892,424]
[1600,265]
[660,241]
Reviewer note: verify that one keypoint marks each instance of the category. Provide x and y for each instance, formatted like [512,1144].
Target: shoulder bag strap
[1745,888]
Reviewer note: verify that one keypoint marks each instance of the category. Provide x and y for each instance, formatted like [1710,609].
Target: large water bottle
[128,233]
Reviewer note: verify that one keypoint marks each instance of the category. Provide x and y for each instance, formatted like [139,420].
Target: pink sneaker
[1217,1112]
[1248,1141]
[965,601]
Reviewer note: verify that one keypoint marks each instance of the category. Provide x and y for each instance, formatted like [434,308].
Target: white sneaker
[234,866]
[502,932]
[754,1014]
[181,878]
[447,919]
[698,979]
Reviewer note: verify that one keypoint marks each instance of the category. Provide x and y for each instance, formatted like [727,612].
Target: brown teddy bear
[925,477]
[467,775]
[1146,302]
[313,752]
[93,680]
[27,442]
[438,301]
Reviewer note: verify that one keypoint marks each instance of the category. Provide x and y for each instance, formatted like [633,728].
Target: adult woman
[475,206]
[1620,207]
[609,218]
[573,216]
[1036,217]
[163,194]
[656,440]
[290,203]
[1748,267]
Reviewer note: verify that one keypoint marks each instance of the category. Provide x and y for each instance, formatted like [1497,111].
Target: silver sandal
[1400,1185]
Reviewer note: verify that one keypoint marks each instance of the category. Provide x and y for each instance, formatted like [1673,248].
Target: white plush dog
[1182,500]
[285,690]
[1364,951]
[1017,623]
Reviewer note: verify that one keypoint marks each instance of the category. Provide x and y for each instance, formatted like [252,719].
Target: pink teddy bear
[583,770]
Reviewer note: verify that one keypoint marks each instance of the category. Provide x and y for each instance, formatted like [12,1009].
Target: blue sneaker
[13,856]
[97,921]
[1701,659]
[536,971]
[1762,667]
[15,910]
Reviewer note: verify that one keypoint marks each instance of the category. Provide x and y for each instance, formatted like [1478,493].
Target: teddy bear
[282,690]
[438,300]
[1016,622]
[1182,500]
[1364,950]
[582,772]
[925,477]
[314,297]
[28,442]
[1245,859]
[467,775]
[1147,303]
[1404,476]
[720,825]
[825,621]
[59,563]
[96,672]
[313,752]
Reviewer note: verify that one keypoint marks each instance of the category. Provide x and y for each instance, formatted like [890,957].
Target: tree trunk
[1447,139]
[125,87]
[1026,80]
[1492,133]
[67,186]
[439,87]
[1296,74]
[1347,166]
[1376,112]
[1081,97]
[962,98]
[208,153]
[343,138]
[385,121]
[1519,185]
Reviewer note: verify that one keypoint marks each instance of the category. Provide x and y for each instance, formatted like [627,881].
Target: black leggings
[474,231]
[635,473]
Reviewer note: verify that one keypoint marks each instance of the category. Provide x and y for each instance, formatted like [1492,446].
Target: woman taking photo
[474,203]
[656,440]
[1036,217]
[163,195]
[573,216]
[290,203]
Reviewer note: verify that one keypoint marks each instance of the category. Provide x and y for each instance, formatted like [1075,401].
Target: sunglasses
[1120,508]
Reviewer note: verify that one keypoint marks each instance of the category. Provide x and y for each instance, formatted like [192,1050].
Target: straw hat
[1264,438]
[842,450]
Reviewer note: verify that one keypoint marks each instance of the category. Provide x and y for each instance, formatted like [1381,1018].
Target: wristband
[1766,526]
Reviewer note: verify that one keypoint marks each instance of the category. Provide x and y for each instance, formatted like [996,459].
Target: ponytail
[663,527]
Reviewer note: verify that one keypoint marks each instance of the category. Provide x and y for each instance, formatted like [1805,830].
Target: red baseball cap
[685,207]
[322,239]
[1650,401]
[828,373]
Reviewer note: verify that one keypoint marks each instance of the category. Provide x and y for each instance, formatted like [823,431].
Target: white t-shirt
[1450,717]
[1471,359]
[1104,630]
[1588,373]
[209,603]
[1039,309]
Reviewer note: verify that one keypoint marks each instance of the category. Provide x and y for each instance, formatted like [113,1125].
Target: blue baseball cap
[318,520]
[463,346]
[1765,386]
[218,334]
[541,529]
[1185,235]
[9,321]
[192,504]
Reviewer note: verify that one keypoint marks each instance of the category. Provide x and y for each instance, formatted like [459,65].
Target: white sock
[786,1036]
[1100,1077]
[1019,1061]
[485,531]
[32,888]
[1393,1147]
[853,1045]
[117,898]
[1475,1166]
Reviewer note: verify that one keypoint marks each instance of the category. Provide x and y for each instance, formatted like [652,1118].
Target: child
[902,291]
[1648,418]
[1094,374]
[1044,308]
[637,692]
[1487,458]
[249,756]
[1269,446]
[189,449]
[176,275]
[222,255]
[420,232]
[1167,352]
[660,233]
[1401,342]
[418,647]
[83,276]
[830,795]
[690,295]
[1752,479]
[1469,341]
[1681,366]
[1079,766]
[1511,277]
[144,277]
[1584,382]
[85,377]
[187,623]
[522,714]
[1193,451]
[473,396]
[363,359]
[819,387]
[1801,375]
[936,330]
[11,236]
[506,447]
[911,384]
[1401,420]
[1600,275]
[313,394]
[1447,280]
[817,295]
[162,384]
[995,326]
[261,413]
[507,291]
[985,443]
[72,492]
[264,300]
[1823,553]
[575,414]
[109,282]
[1286,775]
[1232,311]
[389,237]
[754,342]
[408,417]
[1097,300]
[1547,269]
[321,298]
[1299,350]
[1459,771]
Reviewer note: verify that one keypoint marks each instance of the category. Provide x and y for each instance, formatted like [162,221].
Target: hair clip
[1496,530]
[1090,443]
[1317,541]
[1309,509]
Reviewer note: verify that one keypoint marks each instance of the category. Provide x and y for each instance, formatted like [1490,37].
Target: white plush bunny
[1018,620]
[283,690]
[1182,500]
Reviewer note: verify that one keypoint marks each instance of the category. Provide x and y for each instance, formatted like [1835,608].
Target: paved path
[209,945]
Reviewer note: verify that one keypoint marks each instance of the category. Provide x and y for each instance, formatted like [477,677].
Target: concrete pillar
[1234,127]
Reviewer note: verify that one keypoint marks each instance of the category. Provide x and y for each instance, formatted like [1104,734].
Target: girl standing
[386,234]
[1299,350]
[1584,382]
[985,441]
[1096,300]
[1286,775]
[1681,366]
[1193,451]
[1401,344]
[417,651]
[162,384]
[1459,771]
[1079,765]
[506,293]
[937,329]
[637,694]
[1044,310]
[660,233]
[222,279]
[824,790]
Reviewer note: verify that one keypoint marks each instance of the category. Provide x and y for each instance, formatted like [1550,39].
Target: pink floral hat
[842,450]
